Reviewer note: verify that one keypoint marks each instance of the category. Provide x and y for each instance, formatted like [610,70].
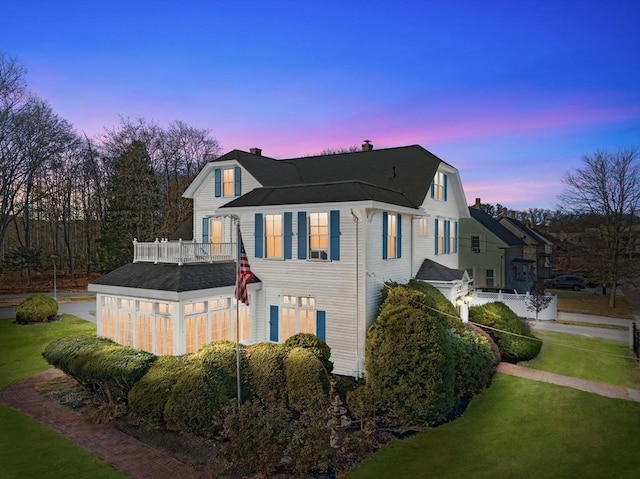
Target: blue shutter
[258,235]
[437,224]
[273,323]
[445,187]
[447,233]
[399,237]
[205,230]
[288,234]
[433,188]
[321,325]
[455,244]
[237,181]
[302,235]
[217,174]
[334,235]
[385,230]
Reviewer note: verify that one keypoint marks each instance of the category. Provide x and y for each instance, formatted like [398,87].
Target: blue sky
[510,92]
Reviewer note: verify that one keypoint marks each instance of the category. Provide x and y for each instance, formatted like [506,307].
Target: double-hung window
[475,244]
[439,186]
[423,226]
[446,236]
[273,236]
[391,235]
[319,235]
[227,182]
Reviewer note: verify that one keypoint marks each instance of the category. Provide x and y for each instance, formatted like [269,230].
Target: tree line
[80,200]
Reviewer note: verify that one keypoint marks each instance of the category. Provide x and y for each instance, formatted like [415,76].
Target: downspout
[356,220]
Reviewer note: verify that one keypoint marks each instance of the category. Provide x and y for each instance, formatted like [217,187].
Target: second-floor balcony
[182,252]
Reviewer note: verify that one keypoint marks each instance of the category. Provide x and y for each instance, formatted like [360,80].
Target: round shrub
[314,344]
[410,366]
[499,316]
[196,402]
[474,362]
[307,381]
[149,396]
[265,373]
[39,308]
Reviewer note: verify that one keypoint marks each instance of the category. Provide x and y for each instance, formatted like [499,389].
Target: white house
[322,235]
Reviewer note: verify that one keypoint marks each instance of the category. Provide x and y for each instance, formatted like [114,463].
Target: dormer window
[439,187]
[227,182]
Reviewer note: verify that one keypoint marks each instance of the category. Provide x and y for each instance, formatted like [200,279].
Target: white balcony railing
[181,252]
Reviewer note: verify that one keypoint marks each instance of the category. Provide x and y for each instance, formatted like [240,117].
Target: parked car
[566,281]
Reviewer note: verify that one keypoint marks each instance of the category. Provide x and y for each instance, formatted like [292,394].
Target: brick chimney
[367,146]
[256,151]
[477,205]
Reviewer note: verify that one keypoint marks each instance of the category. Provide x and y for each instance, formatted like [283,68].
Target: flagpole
[238,249]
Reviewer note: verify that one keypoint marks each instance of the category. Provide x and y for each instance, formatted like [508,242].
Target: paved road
[84,310]
[620,335]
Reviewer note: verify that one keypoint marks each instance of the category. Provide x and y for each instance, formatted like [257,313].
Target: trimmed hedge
[313,343]
[219,360]
[39,308]
[196,402]
[409,364]
[101,366]
[499,316]
[265,373]
[148,397]
[307,381]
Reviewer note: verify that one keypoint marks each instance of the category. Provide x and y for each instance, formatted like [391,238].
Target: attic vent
[256,151]
[367,146]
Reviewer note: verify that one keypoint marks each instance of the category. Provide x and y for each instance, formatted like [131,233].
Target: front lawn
[590,303]
[29,449]
[583,357]
[521,428]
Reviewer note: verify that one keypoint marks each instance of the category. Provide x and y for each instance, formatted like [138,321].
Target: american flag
[243,274]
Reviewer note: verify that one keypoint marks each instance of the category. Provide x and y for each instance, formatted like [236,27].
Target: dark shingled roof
[432,271]
[495,227]
[407,169]
[172,277]
[533,234]
[320,193]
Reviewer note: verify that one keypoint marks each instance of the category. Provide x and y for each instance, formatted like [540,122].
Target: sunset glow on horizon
[512,93]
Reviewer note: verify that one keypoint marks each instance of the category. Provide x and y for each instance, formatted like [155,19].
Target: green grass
[589,303]
[21,346]
[521,428]
[27,448]
[586,358]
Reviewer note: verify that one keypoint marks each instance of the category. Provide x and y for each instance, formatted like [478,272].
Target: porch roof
[432,271]
[172,277]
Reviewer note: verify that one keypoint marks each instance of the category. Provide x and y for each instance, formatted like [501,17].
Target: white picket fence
[519,304]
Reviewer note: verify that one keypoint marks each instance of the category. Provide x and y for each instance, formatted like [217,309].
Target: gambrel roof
[400,176]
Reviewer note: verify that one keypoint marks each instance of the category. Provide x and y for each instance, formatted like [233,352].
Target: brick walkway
[607,390]
[122,451]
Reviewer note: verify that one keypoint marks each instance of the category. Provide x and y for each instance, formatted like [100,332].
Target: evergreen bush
[39,308]
[196,402]
[101,366]
[313,343]
[265,373]
[307,381]
[219,360]
[409,364]
[148,397]
[474,362]
[513,347]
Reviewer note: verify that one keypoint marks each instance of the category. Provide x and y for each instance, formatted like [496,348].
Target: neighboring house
[322,235]
[538,247]
[493,255]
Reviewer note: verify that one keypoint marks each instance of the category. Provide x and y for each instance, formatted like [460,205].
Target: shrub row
[520,346]
[420,360]
[101,366]
[39,308]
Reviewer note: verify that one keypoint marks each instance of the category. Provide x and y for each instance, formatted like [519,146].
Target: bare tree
[607,186]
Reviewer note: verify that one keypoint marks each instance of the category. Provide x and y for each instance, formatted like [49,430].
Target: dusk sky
[512,93]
